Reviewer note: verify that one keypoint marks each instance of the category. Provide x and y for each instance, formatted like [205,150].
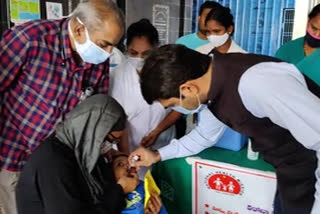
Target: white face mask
[89,51]
[218,40]
[136,62]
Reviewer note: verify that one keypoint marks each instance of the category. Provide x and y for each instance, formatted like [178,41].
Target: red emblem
[224,183]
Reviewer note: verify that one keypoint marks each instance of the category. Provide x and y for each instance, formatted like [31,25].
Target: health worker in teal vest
[304,52]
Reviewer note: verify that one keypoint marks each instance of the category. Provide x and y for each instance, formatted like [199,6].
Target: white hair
[92,18]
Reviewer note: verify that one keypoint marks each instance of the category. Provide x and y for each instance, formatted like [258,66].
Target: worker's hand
[154,204]
[146,157]
[129,184]
[150,139]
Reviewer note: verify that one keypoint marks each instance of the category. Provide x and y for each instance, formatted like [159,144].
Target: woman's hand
[129,184]
[154,204]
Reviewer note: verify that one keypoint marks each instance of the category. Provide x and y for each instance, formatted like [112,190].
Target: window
[287,25]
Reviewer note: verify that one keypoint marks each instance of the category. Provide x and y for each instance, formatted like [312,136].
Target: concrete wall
[138,9]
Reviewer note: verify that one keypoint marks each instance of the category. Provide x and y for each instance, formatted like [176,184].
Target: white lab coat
[142,117]
[234,48]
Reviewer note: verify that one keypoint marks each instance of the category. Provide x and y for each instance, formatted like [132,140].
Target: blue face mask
[89,51]
[185,111]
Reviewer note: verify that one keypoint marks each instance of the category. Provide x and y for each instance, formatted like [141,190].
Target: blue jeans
[278,207]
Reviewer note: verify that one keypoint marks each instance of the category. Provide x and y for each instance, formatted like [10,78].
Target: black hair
[117,155]
[222,15]
[208,4]
[143,28]
[167,68]
[314,12]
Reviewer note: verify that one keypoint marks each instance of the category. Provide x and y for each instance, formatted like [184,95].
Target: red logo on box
[225,183]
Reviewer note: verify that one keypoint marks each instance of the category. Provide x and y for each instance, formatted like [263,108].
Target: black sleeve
[64,191]
[113,200]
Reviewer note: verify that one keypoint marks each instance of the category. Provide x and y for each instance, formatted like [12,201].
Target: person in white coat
[220,27]
[144,121]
